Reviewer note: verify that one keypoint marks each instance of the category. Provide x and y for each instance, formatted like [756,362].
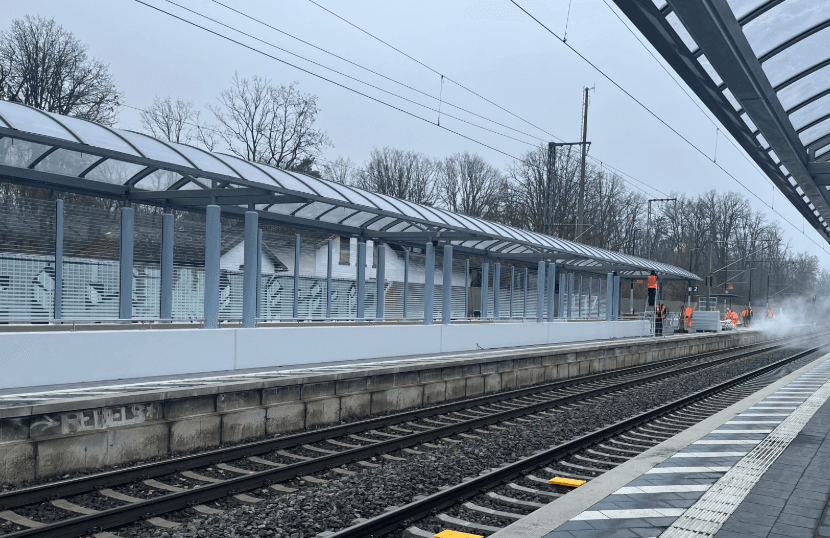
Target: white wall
[32,359]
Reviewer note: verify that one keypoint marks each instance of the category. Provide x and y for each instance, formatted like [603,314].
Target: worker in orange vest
[746,316]
[688,317]
[652,288]
[658,321]
[770,314]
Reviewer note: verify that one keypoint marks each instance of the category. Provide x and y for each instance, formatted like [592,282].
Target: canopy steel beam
[713,26]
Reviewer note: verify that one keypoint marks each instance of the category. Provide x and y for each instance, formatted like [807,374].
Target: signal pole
[581,202]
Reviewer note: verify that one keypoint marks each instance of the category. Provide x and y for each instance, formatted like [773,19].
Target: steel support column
[125,302]
[579,299]
[524,304]
[213,251]
[540,292]
[58,291]
[429,284]
[609,297]
[296,309]
[328,278]
[167,240]
[467,288]
[249,270]
[551,290]
[405,283]
[562,292]
[617,292]
[512,285]
[590,295]
[496,290]
[361,279]
[485,299]
[259,273]
[446,303]
[381,281]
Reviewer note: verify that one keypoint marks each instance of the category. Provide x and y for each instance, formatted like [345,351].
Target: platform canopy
[763,68]
[72,155]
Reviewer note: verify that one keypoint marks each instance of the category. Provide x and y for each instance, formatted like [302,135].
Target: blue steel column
[296,276]
[405,282]
[328,280]
[512,285]
[579,299]
[361,278]
[446,304]
[551,290]
[466,288]
[496,289]
[562,293]
[599,295]
[125,302]
[167,239]
[540,292]
[609,296]
[524,307]
[381,278]
[259,274]
[58,293]
[249,271]
[590,294]
[213,251]
[429,284]
[569,306]
[616,298]
[485,281]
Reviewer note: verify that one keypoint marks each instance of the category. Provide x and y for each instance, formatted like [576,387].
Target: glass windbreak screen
[803,55]
[782,23]
[65,162]
[18,152]
[803,89]
[116,172]
[33,121]
[95,135]
[815,110]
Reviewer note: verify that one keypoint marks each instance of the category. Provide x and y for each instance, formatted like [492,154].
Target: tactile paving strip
[711,511]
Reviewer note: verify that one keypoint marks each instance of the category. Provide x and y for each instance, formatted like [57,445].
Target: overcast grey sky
[487,45]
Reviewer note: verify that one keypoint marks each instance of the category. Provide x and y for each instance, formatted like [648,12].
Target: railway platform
[48,431]
[757,468]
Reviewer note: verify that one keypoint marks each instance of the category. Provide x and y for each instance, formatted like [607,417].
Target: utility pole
[633,248]
[549,187]
[581,202]
[709,279]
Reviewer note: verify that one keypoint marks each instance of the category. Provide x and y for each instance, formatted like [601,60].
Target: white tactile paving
[684,470]
[676,488]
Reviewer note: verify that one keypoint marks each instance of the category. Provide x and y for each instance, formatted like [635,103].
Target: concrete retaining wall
[50,358]
[51,439]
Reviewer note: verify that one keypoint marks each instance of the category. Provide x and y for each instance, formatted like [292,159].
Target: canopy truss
[763,68]
[72,155]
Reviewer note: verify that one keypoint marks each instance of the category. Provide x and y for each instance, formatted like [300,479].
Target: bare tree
[468,184]
[178,121]
[341,170]
[407,175]
[47,67]
[269,124]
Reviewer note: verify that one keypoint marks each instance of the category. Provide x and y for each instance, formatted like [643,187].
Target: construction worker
[734,316]
[688,317]
[658,320]
[770,315]
[745,315]
[652,288]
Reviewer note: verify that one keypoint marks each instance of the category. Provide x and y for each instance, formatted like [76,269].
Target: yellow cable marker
[559,481]
[455,534]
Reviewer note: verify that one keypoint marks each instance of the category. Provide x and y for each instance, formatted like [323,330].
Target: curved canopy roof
[74,155]
[763,68]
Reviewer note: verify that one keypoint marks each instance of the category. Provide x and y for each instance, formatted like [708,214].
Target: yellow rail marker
[559,481]
[455,534]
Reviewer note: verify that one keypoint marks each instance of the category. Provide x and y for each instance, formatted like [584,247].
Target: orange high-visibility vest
[689,316]
[652,282]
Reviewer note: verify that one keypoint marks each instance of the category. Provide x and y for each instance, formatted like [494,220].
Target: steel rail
[405,515]
[116,477]
[122,515]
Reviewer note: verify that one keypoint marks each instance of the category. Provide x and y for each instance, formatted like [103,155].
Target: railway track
[106,500]
[488,503]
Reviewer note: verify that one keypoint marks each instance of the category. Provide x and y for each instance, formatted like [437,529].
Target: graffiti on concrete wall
[94,419]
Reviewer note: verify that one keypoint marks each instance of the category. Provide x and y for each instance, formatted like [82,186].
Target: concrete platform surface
[759,468]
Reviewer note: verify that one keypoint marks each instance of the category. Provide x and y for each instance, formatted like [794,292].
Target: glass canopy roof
[74,155]
[767,63]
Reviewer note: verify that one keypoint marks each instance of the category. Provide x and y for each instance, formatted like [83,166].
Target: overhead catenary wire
[321,77]
[366,95]
[658,118]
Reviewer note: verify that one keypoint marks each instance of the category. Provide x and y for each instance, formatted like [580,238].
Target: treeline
[615,216]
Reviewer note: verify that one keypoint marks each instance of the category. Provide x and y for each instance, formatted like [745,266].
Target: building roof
[74,155]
